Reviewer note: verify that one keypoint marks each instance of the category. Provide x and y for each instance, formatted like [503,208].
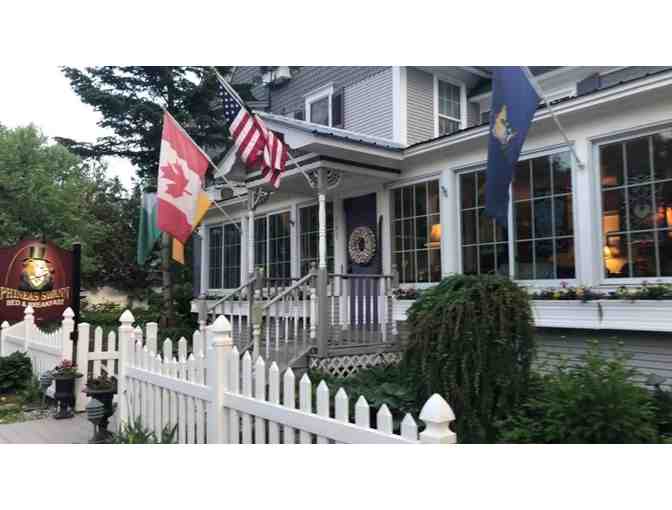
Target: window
[417,232]
[318,106]
[542,217]
[224,257]
[449,108]
[310,237]
[272,245]
[636,180]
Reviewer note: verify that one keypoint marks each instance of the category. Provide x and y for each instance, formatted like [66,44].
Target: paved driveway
[48,431]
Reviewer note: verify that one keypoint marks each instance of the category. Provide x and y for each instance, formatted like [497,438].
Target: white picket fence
[217,397]
[46,350]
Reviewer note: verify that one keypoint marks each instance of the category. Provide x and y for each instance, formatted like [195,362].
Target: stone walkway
[48,431]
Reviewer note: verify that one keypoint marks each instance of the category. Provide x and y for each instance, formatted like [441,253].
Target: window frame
[265,216]
[527,156]
[403,184]
[621,136]
[222,225]
[316,95]
[463,103]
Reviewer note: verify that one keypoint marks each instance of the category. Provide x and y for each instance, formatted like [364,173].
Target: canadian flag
[182,166]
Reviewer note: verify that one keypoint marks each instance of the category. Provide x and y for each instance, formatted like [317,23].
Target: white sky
[40,94]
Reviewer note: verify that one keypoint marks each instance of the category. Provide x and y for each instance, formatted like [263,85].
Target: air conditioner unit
[277,76]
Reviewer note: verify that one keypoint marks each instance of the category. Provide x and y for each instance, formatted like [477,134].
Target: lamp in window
[435,235]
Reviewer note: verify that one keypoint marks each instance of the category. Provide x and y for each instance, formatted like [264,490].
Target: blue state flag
[514,102]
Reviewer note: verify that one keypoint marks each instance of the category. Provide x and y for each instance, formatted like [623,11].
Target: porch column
[250,234]
[322,276]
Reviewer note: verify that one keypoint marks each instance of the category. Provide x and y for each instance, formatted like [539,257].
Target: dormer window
[450,108]
[325,106]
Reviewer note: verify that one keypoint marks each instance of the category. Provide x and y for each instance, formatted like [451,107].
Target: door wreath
[362,245]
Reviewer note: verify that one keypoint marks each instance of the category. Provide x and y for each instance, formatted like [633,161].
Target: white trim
[317,94]
[396,103]
[463,102]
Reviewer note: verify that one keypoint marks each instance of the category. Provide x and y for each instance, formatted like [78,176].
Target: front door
[363,258]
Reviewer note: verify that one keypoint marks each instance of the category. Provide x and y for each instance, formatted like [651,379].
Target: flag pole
[233,92]
[535,85]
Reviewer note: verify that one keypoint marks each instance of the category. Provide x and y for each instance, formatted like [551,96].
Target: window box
[566,314]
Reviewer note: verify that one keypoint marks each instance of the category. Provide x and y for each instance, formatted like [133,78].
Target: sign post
[76,292]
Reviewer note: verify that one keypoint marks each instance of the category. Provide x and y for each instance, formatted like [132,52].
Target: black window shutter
[300,115]
[337,110]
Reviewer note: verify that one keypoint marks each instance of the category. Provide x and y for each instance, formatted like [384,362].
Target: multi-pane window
[417,232]
[636,178]
[224,257]
[542,218]
[272,245]
[310,237]
[485,247]
[449,108]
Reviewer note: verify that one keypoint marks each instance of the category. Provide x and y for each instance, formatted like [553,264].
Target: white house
[397,156]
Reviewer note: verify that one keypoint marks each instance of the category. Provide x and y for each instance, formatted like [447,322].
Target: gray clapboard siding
[368,105]
[420,109]
[650,352]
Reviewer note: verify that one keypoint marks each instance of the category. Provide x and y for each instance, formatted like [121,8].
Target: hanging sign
[38,274]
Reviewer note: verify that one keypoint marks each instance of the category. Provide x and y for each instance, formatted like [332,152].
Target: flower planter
[641,315]
[105,396]
[566,314]
[64,394]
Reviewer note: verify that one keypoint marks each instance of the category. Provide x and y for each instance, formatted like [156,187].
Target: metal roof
[341,134]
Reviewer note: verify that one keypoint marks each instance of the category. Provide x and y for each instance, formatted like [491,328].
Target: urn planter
[104,396]
[64,394]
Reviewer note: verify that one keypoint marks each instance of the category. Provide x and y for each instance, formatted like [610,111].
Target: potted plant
[103,389]
[64,376]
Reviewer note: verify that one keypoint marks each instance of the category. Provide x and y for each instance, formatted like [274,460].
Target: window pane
[423,269]
[502,259]
[541,176]
[397,203]
[662,154]
[564,216]
[543,217]
[433,196]
[485,227]
[544,269]
[664,205]
[409,235]
[665,252]
[398,236]
[231,265]
[469,260]
[420,199]
[524,265]
[638,161]
[613,215]
[421,232]
[215,258]
[521,181]
[487,259]
[564,252]
[611,162]
[562,173]
[447,126]
[319,111]
[501,232]
[616,256]
[468,227]
[408,202]
[640,202]
[467,190]
[523,220]
[435,265]
[643,253]
[481,189]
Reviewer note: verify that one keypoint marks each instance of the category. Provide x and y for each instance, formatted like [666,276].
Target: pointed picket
[152,335]
[137,334]
[384,419]
[273,397]
[362,416]
[167,350]
[259,394]
[182,349]
[174,414]
[409,429]
[323,406]
[342,403]
[197,342]
[97,348]
[247,391]
[288,400]
[305,397]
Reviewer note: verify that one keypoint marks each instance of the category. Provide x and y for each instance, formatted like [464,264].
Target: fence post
[67,327]
[126,335]
[83,332]
[3,328]
[202,313]
[437,415]
[393,298]
[219,356]
[28,326]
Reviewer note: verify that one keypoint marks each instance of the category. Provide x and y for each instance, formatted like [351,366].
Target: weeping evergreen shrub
[471,340]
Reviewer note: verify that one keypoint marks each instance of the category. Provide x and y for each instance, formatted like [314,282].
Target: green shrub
[596,401]
[16,371]
[136,433]
[471,340]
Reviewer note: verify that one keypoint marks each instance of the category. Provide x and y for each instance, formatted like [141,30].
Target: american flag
[256,144]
